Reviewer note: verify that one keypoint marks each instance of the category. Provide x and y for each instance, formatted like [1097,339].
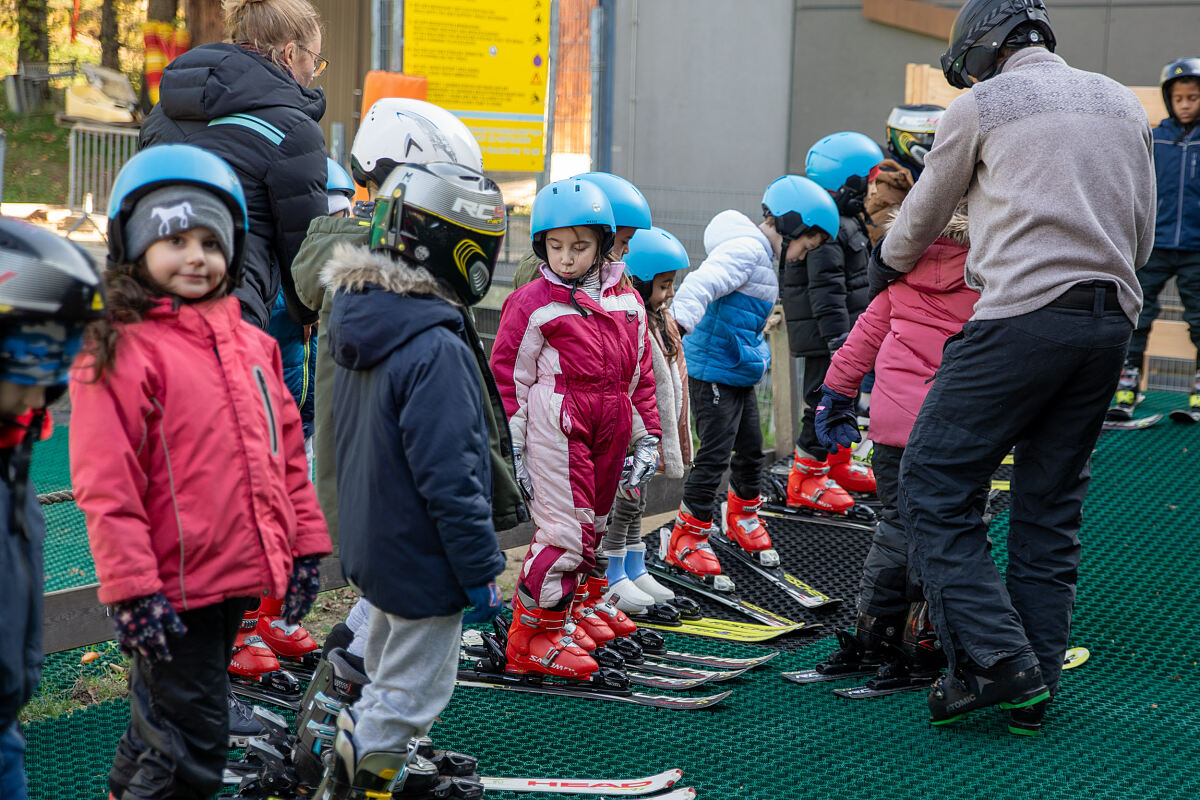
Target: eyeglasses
[319,62]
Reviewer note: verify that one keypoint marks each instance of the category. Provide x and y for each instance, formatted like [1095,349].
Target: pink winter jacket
[187,459]
[543,338]
[901,335]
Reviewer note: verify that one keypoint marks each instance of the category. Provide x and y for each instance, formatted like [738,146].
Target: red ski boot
[536,644]
[617,620]
[742,524]
[689,548]
[809,486]
[291,643]
[587,620]
[851,475]
[254,670]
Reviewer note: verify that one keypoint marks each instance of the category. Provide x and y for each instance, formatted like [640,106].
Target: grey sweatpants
[412,665]
[625,523]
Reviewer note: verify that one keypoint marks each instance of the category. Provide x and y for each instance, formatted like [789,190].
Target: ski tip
[1075,657]
[682,793]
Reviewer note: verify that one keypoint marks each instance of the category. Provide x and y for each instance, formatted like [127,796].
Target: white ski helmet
[401,130]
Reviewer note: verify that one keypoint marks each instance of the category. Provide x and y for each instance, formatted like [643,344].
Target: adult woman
[248,102]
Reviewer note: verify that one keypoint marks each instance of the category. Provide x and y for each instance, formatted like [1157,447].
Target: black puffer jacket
[251,113]
[21,584]
[824,293]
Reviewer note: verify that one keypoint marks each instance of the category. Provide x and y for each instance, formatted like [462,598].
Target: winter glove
[522,474]
[143,624]
[835,422]
[879,274]
[836,342]
[486,603]
[624,488]
[643,463]
[302,589]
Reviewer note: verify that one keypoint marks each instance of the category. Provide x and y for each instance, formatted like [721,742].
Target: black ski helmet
[982,27]
[1179,68]
[445,217]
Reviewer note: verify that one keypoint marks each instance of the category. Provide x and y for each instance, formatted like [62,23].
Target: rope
[65,496]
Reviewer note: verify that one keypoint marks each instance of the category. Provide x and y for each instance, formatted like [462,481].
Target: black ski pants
[1184,265]
[1041,381]
[812,376]
[727,424]
[178,735]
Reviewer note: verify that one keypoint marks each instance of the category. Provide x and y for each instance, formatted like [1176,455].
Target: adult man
[1056,234]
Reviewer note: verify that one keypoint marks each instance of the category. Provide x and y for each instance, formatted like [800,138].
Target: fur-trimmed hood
[957,229]
[379,304]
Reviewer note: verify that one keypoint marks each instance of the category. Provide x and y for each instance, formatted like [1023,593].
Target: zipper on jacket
[162,415]
[1182,189]
[304,372]
[261,378]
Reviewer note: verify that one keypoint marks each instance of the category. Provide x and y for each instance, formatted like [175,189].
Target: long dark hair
[654,315]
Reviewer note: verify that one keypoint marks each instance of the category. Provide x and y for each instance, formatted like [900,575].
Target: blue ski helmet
[567,203]
[629,207]
[798,204]
[653,252]
[337,179]
[832,161]
[168,165]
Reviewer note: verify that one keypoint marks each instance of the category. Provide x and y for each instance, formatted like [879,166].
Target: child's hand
[643,462]
[302,589]
[835,422]
[624,488]
[142,626]
[522,474]
[486,602]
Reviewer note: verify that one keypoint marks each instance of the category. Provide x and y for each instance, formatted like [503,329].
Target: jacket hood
[940,268]
[730,224]
[214,80]
[956,229]
[380,305]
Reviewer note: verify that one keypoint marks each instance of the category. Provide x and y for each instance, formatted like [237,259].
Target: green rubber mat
[1124,726]
[68,560]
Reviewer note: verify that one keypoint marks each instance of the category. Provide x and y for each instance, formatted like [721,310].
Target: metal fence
[97,153]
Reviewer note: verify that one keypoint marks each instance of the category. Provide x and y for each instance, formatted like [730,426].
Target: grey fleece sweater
[1057,168]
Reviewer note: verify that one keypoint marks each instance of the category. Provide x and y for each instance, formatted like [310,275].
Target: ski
[1185,415]
[789,584]
[656,565]
[1075,657]
[482,679]
[1132,424]
[775,505]
[609,787]
[813,676]
[279,688]
[714,662]
[730,633]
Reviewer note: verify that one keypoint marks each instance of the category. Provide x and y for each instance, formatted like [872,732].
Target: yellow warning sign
[486,62]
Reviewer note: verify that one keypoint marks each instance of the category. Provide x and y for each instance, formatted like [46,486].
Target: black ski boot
[243,725]
[865,649]
[362,776]
[971,687]
[919,657]
[1027,721]
[337,682]
[1127,396]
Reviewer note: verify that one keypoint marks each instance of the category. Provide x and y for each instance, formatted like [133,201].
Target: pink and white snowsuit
[577,389]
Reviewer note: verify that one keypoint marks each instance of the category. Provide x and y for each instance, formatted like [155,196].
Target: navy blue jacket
[414,471]
[1177,166]
[251,113]
[22,582]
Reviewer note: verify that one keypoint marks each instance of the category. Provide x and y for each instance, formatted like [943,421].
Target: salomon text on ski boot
[745,529]
[850,474]
[809,486]
[537,644]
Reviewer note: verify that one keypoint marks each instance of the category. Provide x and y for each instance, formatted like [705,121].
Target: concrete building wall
[700,105]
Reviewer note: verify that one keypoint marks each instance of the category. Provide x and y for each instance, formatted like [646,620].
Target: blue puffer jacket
[1177,165]
[299,359]
[724,303]
[414,473]
[21,586]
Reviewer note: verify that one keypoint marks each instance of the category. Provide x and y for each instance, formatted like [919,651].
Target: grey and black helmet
[445,217]
[982,27]
[1179,68]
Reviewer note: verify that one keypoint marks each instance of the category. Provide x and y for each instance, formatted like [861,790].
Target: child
[1177,228]
[176,402]
[415,476]
[900,336]
[910,132]
[822,296]
[50,291]
[654,258]
[572,360]
[722,307]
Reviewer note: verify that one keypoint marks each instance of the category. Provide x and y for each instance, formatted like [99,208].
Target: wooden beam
[912,15]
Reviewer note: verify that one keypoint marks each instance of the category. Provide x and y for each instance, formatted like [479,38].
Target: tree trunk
[205,21]
[110,37]
[33,36]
